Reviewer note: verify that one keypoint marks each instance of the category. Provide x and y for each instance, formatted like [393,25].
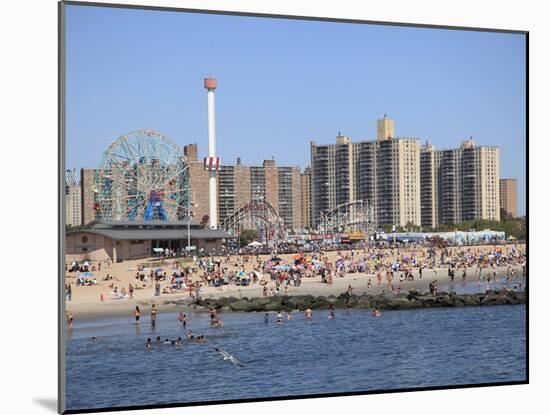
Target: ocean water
[475,287]
[353,352]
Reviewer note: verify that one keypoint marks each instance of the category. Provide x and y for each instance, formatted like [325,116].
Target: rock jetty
[406,301]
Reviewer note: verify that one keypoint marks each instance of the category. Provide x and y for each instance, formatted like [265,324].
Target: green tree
[516,227]
[247,236]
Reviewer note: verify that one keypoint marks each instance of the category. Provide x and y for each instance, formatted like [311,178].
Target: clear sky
[282,83]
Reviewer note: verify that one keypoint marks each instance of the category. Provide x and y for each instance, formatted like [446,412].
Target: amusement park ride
[259,215]
[142,176]
[145,176]
[356,216]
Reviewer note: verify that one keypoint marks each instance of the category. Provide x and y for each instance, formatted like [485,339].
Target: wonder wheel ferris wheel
[142,176]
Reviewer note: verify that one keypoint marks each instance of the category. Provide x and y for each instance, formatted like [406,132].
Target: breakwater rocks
[411,300]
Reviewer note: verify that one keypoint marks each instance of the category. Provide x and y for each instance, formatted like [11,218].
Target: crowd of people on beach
[392,266]
[385,268]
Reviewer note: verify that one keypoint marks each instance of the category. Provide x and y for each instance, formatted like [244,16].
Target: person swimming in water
[216,322]
[190,335]
[308,314]
[289,316]
[183,319]
[153,315]
[279,318]
[148,343]
[213,313]
[266,318]
[331,313]
[179,342]
[69,320]
[376,312]
[158,340]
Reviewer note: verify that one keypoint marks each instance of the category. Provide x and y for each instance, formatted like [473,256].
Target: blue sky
[282,83]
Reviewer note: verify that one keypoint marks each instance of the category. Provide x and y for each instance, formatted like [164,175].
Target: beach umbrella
[159,270]
[254,244]
[283,267]
[85,275]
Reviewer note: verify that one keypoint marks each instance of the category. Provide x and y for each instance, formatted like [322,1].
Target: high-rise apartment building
[449,185]
[459,184]
[509,197]
[73,202]
[467,183]
[198,181]
[428,186]
[333,175]
[305,184]
[384,173]
[398,182]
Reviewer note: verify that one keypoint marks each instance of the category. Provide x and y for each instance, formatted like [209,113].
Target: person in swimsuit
[137,313]
[69,320]
[266,318]
[183,318]
[331,313]
[309,314]
[153,315]
[279,318]
[148,344]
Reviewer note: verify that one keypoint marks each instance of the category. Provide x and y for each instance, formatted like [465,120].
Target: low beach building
[123,240]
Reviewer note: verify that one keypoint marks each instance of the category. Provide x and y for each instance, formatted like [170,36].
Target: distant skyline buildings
[441,85]
[403,182]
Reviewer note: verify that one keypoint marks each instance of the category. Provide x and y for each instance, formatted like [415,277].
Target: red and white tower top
[210,83]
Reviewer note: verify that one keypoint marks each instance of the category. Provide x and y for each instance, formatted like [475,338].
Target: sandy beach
[95,301]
